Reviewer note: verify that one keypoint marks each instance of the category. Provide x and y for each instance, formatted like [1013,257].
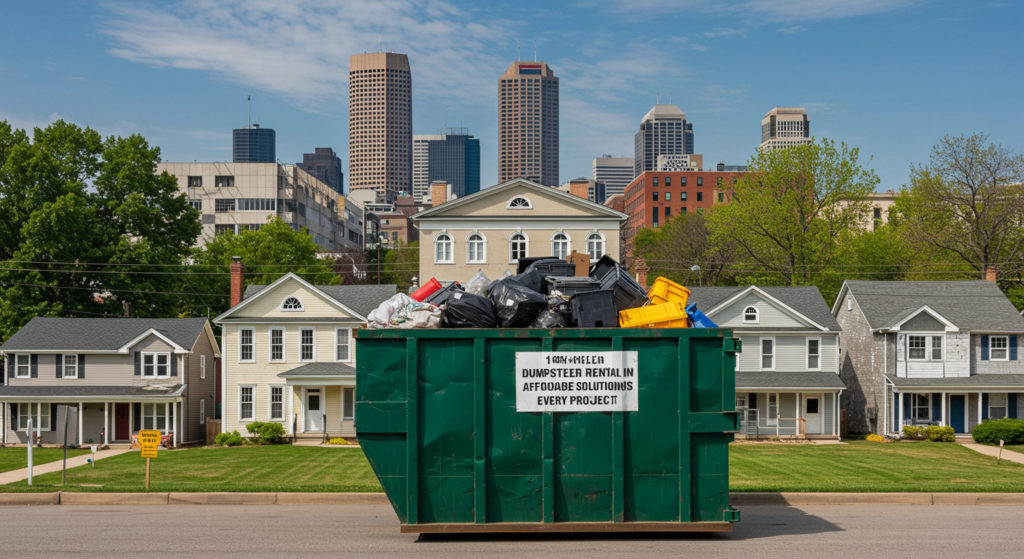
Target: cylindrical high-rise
[380,123]
[528,123]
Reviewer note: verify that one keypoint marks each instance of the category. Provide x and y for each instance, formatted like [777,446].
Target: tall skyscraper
[783,127]
[452,156]
[528,123]
[614,172]
[325,165]
[663,131]
[380,123]
[253,144]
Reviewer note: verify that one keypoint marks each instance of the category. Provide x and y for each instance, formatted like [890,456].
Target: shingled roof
[99,334]
[804,299]
[977,305]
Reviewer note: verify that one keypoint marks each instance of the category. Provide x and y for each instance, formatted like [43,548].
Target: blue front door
[956,413]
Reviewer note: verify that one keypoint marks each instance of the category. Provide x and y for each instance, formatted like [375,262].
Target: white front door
[314,411]
[812,413]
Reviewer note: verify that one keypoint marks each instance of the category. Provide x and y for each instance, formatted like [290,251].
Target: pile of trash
[545,293]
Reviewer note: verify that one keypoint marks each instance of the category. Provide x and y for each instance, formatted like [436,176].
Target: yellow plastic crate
[664,315]
[665,290]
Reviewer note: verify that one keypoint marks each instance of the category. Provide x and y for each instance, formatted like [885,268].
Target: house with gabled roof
[787,380]
[289,354]
[492,229]
[104,379]
[929,353]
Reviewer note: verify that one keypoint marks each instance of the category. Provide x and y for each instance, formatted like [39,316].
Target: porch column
[106,423]
[943,422]
[174,425]
[79,424]
[979,408]
[899,423]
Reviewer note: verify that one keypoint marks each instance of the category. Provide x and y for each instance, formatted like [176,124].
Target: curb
[29,498]
[71,498]
[804,499]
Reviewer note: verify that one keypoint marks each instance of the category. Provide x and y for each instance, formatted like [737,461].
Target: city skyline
[179,75]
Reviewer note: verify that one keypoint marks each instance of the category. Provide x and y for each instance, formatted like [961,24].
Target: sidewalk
[40,469]
[993,451]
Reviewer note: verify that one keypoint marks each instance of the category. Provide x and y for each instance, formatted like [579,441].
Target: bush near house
[992,431]
[932,433]
[229,439]
[265,433]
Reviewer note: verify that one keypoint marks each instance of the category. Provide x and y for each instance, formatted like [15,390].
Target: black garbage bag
[560,304]
[549,318]
[515,304]
[466,310]
[531,279]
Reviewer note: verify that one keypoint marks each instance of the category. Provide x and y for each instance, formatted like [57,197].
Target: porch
[88,415]
[322,399]
[960,403]
[802,405]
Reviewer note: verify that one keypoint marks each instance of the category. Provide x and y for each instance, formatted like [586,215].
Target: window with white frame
[348,403]
[277,345]
[595,246]
[519,203]
[342,344]
[306,337]
[560,245]
[518,247]
[773,409]
[997,406]
[245,344]
[23,366]
[202,411]
[277,403]
[999,348]
[476,248]
[443,244]
[936,348]
[920,407]
[921,347]
[741,401]
[291,304]
[40,414]
[767,353]
[154,416]
[814,353]
[70,366]
[751,315]
[246,397]
[156,364]
[202,368]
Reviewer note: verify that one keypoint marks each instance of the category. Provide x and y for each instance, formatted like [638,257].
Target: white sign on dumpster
[576,381]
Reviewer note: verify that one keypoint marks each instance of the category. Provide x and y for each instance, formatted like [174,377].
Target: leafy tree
[401,264]
[966,205]
[82,214]
[791,218]
[680,244]
[267,254]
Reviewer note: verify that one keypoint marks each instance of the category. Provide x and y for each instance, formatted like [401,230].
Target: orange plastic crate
[667,291]
[664,315]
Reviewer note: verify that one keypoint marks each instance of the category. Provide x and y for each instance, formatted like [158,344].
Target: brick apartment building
[654,197]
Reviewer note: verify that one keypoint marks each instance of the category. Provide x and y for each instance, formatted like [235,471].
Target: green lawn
[865,466]
[257,468]
[14,458]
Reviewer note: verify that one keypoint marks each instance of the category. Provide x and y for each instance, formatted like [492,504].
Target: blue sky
[888,76]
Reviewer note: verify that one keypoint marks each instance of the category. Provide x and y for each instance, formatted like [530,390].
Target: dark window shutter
[53,417]
[11,359]
[174,365]
[35,365]
[81,365]
[14,416]
[138,364]
[984,405]
[936,405]
[60,366]
[984,348]
[1011,406]
[906,406]
[137,412]
[1013,348]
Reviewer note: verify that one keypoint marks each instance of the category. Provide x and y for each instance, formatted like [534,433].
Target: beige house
[491,229]
[289,354]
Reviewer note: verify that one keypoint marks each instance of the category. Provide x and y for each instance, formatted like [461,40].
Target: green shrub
[266,432]
[991,431]
[229,439]
[915,432]
[937,434]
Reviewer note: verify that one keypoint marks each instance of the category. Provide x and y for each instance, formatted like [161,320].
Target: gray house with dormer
[787,380]
[928,353]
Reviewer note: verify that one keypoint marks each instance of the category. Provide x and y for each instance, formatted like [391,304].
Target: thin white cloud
[758,10]
[720,32]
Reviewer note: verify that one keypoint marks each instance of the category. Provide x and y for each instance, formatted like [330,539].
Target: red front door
[122,427]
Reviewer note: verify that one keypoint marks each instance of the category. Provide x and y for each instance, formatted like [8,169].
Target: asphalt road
[372,530]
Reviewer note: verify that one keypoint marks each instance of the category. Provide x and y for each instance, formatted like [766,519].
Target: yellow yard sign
[149,440]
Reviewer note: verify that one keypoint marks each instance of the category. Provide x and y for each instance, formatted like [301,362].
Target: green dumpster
[550,430]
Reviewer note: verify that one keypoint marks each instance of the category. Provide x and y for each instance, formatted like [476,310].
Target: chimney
[641,272]
[990,273]
[438,193]
[237,274]
[580,189]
